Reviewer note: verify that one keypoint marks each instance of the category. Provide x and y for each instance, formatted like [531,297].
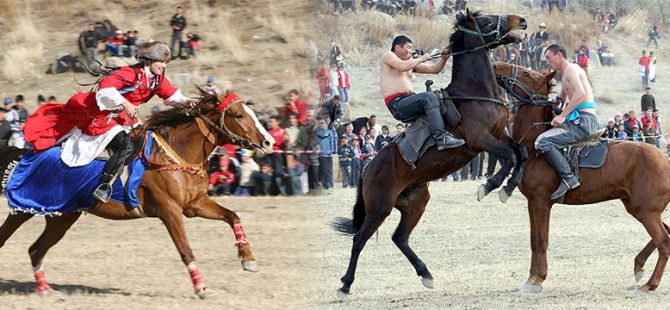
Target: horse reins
[223,130]
[533,97]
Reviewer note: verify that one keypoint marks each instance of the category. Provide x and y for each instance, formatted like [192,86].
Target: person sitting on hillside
[401,101]
[192,44]
[112,44]
[103,118]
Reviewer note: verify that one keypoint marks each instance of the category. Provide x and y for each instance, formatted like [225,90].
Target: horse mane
[457,36]
[174,117]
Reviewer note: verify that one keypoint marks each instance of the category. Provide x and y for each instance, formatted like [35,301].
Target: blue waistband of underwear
[584,105]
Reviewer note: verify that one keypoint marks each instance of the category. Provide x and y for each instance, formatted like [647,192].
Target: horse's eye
[239,116]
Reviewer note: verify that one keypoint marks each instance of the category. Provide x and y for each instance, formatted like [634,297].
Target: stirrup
[103,193]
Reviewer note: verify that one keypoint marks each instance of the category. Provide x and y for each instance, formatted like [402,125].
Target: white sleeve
[109,98]
[176,99]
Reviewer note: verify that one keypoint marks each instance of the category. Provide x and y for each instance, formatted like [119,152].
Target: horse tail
[352,226]
[9,157]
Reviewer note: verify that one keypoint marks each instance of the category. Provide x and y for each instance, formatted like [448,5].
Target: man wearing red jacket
[644,65]
[276,159]
[221,182]
[295,106]
[103,118]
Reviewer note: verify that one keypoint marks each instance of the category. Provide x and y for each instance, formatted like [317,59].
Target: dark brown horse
[627,163]
[173,186]
[389,182]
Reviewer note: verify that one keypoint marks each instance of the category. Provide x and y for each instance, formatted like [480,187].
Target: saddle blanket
[42,184]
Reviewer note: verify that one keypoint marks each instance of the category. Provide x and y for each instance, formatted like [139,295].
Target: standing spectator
[541,35]
[610,131]
[583,60]
[343,87]
[178,23]
[383,139]
[296,139]
[276,159]
[349,132]
[14,119]
[524,51]
[471,168]
[653,36]
[247,169]
[91,44]
[334,54]
[220,182]
[585,47]
[647,100]
[295,106]
[333,77]
[630,123]
[368,150]
[372,123]
[643,69]
[356,165]
[327,142]
[543,57]
[332,109]
[648,118]
[5,129]
[322,77]
[346,154]
[652,67]
[659,130]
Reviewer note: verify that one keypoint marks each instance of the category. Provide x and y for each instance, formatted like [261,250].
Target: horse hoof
[250,266]
[342,293]
[46,291]
[638,276]
[637,293]
[205,293]
[427,282]
[502,194]
[481,192]
[531,288]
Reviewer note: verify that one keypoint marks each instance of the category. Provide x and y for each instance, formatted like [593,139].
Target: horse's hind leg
[412,204]
[654,225]
[207,208]
[373,219]
[54,231]
[11,224]
[641,258]
[514,181]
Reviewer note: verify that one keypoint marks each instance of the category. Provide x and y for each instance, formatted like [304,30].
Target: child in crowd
[346,153]
[636,136]
[621,133]
[650,133]
[220,182]
[356,164]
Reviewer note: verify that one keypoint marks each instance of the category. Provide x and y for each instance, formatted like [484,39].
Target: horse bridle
[533,97]
[481,36]
[224,131]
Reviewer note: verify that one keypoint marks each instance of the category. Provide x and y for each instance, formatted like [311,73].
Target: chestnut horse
[626,164]
[175,183]
[388,181]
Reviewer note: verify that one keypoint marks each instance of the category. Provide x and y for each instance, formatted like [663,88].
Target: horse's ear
[469,14]
[205,96]
[549,74]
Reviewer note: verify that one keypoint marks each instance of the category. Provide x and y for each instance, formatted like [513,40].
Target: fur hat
[153,51]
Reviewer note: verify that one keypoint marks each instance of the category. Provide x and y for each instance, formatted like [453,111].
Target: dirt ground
[478,253]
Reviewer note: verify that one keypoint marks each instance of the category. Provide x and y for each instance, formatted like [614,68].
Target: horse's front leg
[174,222]
[209,209]
[514,181]
[485,141]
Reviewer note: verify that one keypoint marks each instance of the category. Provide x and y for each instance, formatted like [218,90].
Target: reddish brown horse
[174,185]
[389,182]
[627,163]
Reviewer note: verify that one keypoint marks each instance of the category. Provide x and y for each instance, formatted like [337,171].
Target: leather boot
[560,164]
[104,191]
[445,140]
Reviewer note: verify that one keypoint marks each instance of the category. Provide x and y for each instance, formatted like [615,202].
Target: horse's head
[522,82]
[237,123]
[475,30]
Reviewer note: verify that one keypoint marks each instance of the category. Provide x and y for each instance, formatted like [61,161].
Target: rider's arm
[108,97]
[434,68]
[395,62]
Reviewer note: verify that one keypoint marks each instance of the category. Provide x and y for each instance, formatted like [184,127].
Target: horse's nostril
[267,143]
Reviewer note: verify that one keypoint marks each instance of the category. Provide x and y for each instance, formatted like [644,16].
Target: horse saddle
[418,138]
[589,153]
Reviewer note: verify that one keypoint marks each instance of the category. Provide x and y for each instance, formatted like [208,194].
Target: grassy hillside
[261,48]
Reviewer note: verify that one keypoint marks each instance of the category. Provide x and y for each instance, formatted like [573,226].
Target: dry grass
[630,24]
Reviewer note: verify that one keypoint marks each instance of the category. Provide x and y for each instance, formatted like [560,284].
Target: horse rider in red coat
[103,118]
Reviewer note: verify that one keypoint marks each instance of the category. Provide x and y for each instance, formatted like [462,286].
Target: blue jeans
[344,94]
[333,90]
[345,169]
[326,171]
